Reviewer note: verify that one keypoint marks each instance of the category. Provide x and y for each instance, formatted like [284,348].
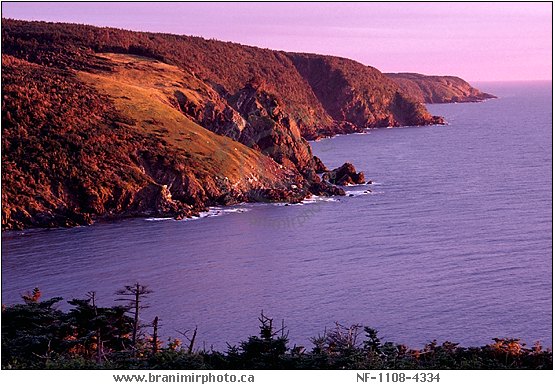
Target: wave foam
[356,193]
[315,199]
[212,212]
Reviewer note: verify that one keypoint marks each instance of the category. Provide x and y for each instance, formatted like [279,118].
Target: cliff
[107,123]
[358,96]
[72,154]
[437,89]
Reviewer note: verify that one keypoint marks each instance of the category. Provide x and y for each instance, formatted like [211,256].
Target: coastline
[160,140]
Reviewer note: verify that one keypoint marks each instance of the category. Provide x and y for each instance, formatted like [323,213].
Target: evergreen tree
[33,332]
[134,296]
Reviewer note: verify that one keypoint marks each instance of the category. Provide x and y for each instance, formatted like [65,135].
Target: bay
[454,241]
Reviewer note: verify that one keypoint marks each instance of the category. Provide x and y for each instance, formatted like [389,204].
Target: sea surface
[454,241]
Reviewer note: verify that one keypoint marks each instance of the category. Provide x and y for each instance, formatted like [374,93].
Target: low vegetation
[37,335]
[79,146]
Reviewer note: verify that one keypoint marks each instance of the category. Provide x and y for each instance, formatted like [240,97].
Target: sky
[476,41]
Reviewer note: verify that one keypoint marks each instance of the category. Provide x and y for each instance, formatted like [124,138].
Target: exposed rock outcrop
[296,81]
[344,175]
[357,96]
[106,123]
[319,166]
[71,154]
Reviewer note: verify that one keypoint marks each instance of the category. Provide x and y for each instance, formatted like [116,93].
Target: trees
[134,296]
[33,332]
[98,331]
[36,334]
[266,351]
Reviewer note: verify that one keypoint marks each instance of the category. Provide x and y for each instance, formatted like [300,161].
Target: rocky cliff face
[437,89]
[226,67]
[101,122]
[358,96]
[83,145]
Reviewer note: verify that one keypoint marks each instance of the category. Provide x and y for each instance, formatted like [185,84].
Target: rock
[213,134]
[326,189]
[346,180]
[344,175]
[319,166]
[355,96]
[275,195]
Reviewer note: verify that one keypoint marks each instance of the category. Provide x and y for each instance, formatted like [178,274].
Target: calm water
[453,243]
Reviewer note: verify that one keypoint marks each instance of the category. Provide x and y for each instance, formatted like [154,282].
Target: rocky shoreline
[103,123]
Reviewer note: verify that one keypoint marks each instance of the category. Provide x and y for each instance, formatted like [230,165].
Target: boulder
[344,175]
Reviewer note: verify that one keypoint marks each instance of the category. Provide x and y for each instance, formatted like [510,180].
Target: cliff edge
[106,123]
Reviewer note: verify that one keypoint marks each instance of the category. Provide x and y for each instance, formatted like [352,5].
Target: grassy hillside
[79,145]
[102,122]
[227,67]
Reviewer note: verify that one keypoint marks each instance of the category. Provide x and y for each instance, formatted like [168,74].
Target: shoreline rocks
[77,148]
[344,175]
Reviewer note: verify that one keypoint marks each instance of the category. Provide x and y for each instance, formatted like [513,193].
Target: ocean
[453,242]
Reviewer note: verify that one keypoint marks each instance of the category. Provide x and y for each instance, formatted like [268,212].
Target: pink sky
[476,41]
